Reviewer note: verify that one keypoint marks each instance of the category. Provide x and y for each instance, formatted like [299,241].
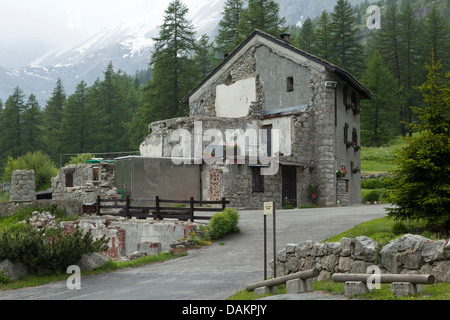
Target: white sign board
[268,208]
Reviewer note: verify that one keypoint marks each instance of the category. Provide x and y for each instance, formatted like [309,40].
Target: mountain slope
[128,46]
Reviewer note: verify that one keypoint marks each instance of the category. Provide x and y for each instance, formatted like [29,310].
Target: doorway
[289,185]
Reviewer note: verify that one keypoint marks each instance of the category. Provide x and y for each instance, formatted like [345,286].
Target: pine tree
[228,34]
[32,125]
[323,36]
[12,124]
[77,124]
[347,51]
[173,69]
[437,39]
[262,15]
[388,41]
[380,119]
[421,188]
[409,32]
[203,58]
[306,38]
[52,120]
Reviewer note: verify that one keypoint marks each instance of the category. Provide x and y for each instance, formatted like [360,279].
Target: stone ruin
[23,186]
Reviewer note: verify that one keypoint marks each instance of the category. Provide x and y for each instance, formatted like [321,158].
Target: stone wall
[86,185]
[23,186]
[408,254]
[73,207]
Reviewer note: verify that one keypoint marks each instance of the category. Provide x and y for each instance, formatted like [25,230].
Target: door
[289,185]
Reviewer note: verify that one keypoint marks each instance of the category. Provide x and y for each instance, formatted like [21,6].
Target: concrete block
[355,288]
[265,290]
[400,289]
[299,286]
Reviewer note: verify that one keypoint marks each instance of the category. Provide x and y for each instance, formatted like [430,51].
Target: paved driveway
[214,272]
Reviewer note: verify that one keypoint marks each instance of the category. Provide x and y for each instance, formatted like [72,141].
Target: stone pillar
[343,194]
[23,186]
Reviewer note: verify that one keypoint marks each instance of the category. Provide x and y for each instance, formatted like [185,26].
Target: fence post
[127,207]
[191,208]
[97,205]
[158,216]
[223,203]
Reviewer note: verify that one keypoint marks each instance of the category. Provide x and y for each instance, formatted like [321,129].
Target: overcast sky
[29,28]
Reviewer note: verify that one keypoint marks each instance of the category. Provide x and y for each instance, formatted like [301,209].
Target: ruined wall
[23,186]
[87,182]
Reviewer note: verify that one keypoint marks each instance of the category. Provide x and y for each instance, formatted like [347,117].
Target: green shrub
[79,159]
[399,228]
[384,182]
[224,223]
[40,252]
[44,168]
[3,277]
[375,195]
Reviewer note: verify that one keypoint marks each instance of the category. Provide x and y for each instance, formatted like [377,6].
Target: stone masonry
[23,186]
[409,254]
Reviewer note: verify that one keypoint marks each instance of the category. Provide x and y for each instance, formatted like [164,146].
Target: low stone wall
[409,254]
[129,236]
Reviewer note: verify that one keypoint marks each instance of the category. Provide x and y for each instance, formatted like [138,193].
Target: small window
[346,133]
[69,179]
[290,84]
[257,180]
[266,140]
[95,176]
[355,136]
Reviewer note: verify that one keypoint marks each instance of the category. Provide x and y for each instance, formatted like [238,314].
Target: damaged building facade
[266,83]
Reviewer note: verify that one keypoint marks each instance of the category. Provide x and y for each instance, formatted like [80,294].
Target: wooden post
[158,216]
[191,208]
[127,207]
[97,205]
[223,203]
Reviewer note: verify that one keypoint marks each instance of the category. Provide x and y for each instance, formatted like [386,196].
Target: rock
[391,254]
[365,249]
[347,245]
[441,270]
[433,250]
[319,249]
[14,270]
[136,255]
[303,249]
[91,261]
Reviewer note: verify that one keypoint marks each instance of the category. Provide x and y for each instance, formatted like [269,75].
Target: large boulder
[14,270]
[404,251]
[91,261]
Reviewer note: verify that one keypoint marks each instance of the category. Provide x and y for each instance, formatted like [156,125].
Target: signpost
[269,209]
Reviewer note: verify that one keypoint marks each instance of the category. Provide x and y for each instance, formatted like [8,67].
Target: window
[95,176]
[257,180]
[69,179]
[355,136]
[290,84]
[345,95]
[346,133]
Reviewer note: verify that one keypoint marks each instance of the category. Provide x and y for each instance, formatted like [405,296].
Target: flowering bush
[356,170]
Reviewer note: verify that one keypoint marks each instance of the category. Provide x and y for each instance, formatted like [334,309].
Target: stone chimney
[286,37]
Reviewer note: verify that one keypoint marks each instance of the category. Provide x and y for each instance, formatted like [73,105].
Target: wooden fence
[131,208]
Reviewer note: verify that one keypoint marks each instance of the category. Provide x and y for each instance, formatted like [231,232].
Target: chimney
[286,37]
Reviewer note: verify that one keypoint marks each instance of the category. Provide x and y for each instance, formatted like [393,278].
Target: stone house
[266,83]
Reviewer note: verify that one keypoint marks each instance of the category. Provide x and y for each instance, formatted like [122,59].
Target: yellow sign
[268,208]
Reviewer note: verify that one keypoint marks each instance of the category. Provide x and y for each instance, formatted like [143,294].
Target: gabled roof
[363,91]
